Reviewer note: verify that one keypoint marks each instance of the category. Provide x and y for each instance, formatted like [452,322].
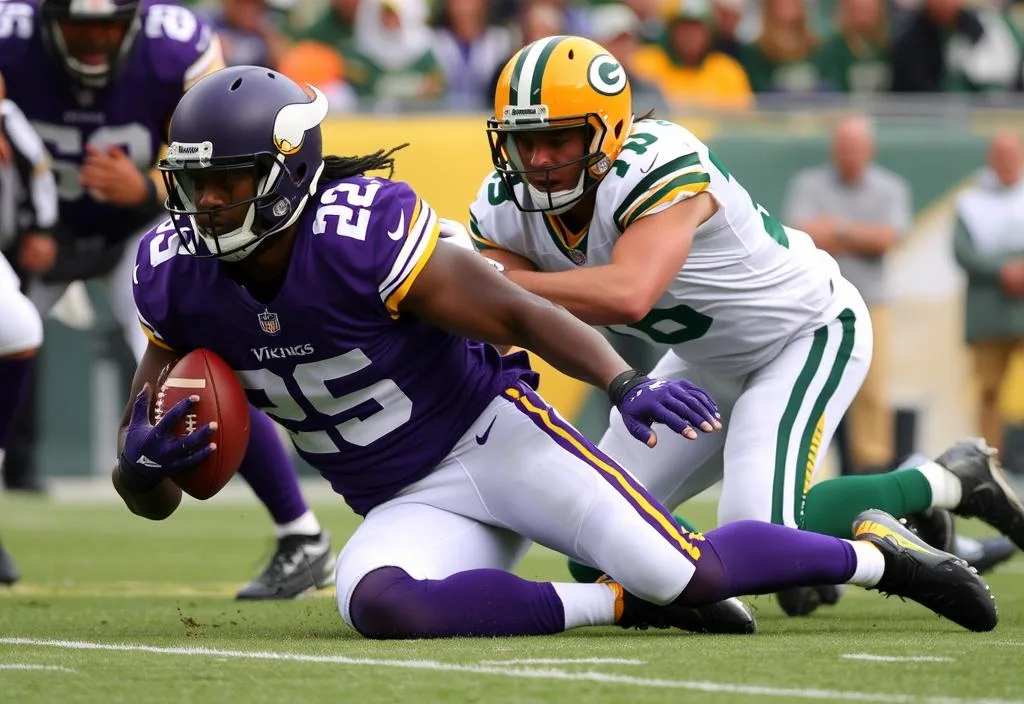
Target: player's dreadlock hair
[339,167]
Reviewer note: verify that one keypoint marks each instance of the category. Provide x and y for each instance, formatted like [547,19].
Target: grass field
[116,609]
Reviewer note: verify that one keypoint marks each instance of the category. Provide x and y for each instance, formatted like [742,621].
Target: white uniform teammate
[635,225]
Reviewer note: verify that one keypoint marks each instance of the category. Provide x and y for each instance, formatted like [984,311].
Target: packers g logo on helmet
[559,83]
[606,75]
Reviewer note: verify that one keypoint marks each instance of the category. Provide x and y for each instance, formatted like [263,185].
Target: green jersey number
[672,326]
[772,226]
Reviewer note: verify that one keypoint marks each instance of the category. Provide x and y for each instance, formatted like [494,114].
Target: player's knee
[710,582]
[22,329]
[388,603]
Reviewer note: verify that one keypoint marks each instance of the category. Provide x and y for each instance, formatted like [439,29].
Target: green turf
[96,575]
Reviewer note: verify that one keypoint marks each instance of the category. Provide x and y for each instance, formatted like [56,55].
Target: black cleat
[803,601]
[935,526]
[728,616]
[985,491]
[913,569]
[8,570]
[299,564]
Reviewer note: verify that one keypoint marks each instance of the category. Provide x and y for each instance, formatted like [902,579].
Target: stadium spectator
[727,15]
[989,246]
[857,211]
[781,59]
[312,62]
[948,46]
[686,68]
[393,65]
[334,27]
[855,57]
[617,29]
[247,33]
[469,48]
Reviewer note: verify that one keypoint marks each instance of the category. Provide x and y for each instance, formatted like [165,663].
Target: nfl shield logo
[269,322]
[578,257]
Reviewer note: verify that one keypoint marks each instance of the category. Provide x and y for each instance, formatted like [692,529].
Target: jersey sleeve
[17,25]
[151,288]
[654,171]
[34,163]
[404,237]
[183,47]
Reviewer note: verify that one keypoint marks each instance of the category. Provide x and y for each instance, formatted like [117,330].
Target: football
[221,399]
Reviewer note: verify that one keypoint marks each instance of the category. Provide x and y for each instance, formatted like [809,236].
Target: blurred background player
[26,189]
[114,71]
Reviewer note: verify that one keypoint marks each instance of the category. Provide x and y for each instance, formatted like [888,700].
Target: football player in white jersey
[634,225]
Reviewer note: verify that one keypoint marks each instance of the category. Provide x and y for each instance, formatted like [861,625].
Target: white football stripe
[529,66]
[180,382]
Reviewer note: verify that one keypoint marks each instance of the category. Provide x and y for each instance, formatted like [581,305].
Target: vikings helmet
[243,117]
[88,74]
[558,83]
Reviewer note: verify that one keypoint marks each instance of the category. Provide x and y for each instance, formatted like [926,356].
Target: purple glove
[154,452]
[680,405]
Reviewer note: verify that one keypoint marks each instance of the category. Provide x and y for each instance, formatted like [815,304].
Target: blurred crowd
[389,55]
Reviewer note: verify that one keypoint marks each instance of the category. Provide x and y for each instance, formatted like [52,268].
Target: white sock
[306,524]
[870,564]
[586,604]
[946,489]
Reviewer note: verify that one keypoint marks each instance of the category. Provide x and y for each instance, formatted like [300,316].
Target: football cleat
[8,570]
[938,580]
[935,526]
[984,555]
[803,601]
[727,616]
[985,493]
[299,564]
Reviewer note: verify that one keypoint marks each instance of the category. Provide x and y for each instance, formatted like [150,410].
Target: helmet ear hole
[236,84]
[300,174]
[618,129]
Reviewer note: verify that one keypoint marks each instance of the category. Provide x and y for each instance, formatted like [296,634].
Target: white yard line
[511,672]
[564,661]
[895,658]
[30,666]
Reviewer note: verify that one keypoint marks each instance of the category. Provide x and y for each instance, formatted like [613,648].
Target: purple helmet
[83,35]
[237,118]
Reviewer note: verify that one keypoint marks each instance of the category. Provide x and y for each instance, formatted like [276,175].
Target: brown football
[221,399]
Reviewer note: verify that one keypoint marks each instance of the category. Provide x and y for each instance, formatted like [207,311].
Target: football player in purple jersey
[354,326]
[113,70]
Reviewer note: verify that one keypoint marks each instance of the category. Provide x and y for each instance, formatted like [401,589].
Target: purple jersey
[372,398]
[173,47]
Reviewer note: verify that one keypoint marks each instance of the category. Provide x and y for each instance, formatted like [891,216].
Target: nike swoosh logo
[399,231]
[146,462]
[481,439]
[649,167]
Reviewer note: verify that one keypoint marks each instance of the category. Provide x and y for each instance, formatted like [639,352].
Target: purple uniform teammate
[113,70]
[349,321]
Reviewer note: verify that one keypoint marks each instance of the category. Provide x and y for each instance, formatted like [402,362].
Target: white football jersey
[748,285]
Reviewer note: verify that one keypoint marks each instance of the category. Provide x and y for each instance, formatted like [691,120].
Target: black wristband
[152,202]
[131,478]
[621,385]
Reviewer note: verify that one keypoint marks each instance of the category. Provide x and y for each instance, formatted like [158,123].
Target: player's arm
[458,291]
[159,501]
[648,255]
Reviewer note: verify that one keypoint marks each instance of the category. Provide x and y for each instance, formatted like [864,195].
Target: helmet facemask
[511,167]
[59,19]
[202,230]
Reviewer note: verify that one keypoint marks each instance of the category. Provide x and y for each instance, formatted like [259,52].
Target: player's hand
[455,232]
[680,405]
[37,253]
[109,175]
[1011,277]
[154,452]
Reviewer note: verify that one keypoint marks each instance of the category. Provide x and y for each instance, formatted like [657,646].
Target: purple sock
[751,557]
[270,472]
[15,378]
[388,603]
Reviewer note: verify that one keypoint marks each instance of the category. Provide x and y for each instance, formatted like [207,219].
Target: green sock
[585,574]
[832,505]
